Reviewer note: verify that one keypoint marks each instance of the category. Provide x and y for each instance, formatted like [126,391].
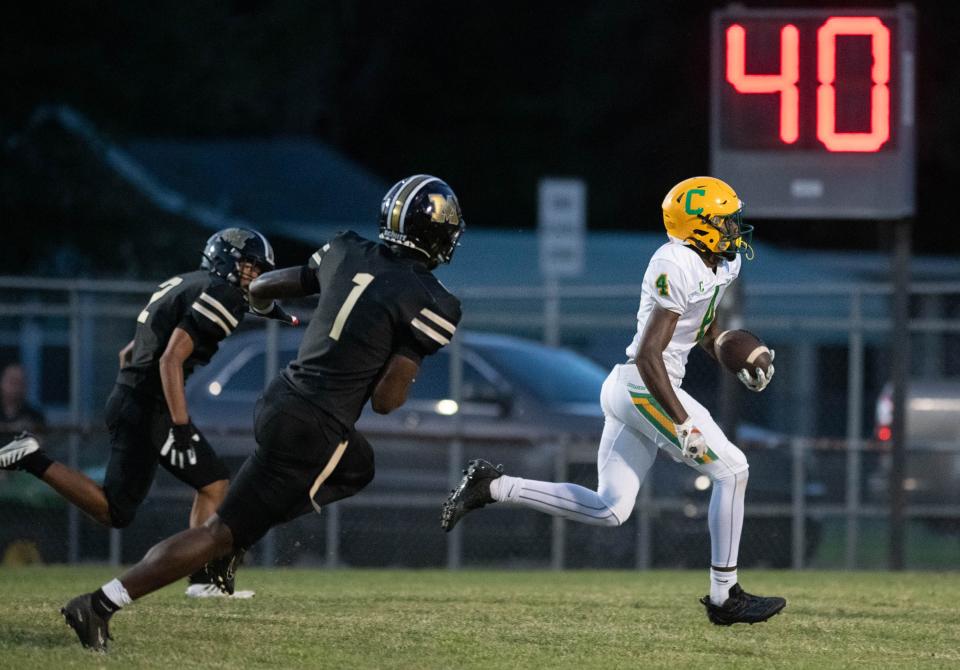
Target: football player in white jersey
[646,408]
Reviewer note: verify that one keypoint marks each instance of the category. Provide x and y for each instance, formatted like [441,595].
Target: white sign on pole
[561,226]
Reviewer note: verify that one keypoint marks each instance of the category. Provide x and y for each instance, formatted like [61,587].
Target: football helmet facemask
[228,248]
[706,213]
[422,212]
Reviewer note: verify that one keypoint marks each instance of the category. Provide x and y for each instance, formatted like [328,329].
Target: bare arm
[126,353]
[178,350]
[283,283]
[391,391]
[656,337]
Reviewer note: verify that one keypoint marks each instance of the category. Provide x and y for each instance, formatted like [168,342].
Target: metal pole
[332,534]
[455,461]
[73,444]
[900,366]
[854,427]
[31,346]
[799,524]
[933,361]
[551,313]
[116,547]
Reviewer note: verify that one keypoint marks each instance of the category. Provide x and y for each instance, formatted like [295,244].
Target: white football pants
[635,427]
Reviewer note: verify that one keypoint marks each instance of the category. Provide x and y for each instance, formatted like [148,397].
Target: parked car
[932,443]
[512,388]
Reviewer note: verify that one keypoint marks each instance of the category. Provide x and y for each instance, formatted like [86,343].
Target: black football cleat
[217,579]
[472,493]
[16,450]
[742,607]
[92,629]
[222,571]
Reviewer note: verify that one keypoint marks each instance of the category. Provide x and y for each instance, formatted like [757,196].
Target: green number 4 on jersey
[662,284]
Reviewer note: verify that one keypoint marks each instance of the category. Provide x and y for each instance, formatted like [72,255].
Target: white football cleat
[212,591]
[21,446]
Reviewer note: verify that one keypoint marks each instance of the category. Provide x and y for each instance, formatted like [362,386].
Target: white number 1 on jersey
[362,281]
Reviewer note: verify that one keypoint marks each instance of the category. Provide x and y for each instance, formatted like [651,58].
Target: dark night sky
[490,95]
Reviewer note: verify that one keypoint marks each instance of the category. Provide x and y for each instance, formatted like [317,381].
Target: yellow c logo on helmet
[705,213]
[692,192]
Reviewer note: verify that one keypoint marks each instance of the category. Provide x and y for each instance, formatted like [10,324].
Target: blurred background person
[16,414]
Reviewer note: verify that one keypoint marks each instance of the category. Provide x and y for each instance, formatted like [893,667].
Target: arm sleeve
[310,273]
[426,329]
[215,314]
[667,284]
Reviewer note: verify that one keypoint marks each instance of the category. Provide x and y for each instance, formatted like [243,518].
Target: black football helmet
[227,248]
[422,212]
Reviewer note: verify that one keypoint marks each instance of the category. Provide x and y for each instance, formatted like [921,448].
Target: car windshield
[553,375]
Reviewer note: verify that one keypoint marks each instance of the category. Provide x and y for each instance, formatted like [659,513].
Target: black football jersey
[206,306]
[374,303]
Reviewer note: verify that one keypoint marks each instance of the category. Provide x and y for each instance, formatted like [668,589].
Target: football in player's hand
[742,350]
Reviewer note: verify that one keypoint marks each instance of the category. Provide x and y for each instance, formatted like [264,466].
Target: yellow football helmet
[706,213]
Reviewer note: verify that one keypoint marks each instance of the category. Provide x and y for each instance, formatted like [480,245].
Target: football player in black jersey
[380,313]
[146,414]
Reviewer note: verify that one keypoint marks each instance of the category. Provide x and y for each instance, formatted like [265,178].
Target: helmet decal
[445,209]
[690,194]
[422,212]
[706,213]
[237,236]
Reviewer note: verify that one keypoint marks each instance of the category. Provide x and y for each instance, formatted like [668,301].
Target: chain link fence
[818,493]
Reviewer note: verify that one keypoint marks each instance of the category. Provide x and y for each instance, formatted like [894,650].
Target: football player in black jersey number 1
[380,313]
[179,329]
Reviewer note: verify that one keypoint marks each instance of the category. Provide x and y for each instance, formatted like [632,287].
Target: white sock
[725,518]
[116,592]
[721,581]
[500,487]
[569,501]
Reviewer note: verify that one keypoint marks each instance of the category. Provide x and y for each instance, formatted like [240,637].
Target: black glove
[179,447]
[276,312]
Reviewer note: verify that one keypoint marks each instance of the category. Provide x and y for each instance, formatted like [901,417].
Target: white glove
[693,444]
[762,378]
[179,447]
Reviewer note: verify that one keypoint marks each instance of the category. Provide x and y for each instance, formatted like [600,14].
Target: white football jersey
[677,279]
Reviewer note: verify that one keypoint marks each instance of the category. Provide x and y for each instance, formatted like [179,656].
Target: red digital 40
[784,82]
[812,110]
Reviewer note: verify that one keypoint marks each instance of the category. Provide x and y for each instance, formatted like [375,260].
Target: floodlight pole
[900,369]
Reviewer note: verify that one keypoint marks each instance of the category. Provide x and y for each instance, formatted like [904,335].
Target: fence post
[854,427]
[551,313]
[73,444]
[332,534]
[899,374]
[116,547]
[455,460]
[799,446]
[30,346]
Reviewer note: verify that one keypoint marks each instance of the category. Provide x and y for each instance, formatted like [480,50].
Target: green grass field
[481,619]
